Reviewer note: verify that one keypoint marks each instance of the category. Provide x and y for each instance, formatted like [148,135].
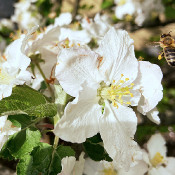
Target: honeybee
[168,45]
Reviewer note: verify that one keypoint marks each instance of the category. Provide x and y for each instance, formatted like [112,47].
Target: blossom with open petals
[103,84]
[108,168]
[13,65]
[159,163]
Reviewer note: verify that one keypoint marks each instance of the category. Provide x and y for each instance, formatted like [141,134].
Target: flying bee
[168,45]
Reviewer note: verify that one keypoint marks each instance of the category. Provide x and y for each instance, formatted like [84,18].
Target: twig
[45,79]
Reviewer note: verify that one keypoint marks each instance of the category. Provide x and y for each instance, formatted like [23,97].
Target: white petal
[80,36]
[150,86]
[159,171]
[63,19]
[92,167]
[140,169]
[76,66]
[80,119]
[5,91]
[153,116]
[156,144]
[170,165]
[2,121]
[118,55]
[117,129]
[67,164]
[79,165]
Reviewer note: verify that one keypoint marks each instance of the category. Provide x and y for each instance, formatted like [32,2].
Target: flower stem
[45,79]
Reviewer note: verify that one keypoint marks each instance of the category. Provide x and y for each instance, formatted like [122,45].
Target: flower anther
[157,159]
[116,91]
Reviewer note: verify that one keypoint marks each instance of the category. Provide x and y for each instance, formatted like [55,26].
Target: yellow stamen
[109,171]
[116,91]
[157,159]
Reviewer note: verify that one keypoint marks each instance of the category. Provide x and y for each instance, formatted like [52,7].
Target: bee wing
[154,44]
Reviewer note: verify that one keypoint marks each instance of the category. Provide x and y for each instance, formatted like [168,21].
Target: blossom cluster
[138,11]
[108,86]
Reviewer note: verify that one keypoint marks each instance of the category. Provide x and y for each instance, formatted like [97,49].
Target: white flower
[156,157]
[72,167]
[82,75]
[26,15]
[6,130]
[103,81]
[140,11]
[108,168]
[49,42]
[13,66]
[97,28]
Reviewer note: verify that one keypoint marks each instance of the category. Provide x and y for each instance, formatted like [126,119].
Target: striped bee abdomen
[169,53]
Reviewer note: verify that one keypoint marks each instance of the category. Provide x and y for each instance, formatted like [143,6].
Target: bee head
[165,35]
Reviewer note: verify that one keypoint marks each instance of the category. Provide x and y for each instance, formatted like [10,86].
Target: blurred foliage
[145,131]
[169,9]
[106,4]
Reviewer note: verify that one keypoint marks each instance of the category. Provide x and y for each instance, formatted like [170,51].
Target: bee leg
[161,55]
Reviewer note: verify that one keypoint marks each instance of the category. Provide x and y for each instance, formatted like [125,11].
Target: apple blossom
[105,84]
[26,15]
[79,76]
[140,11]
[108,168]
[159,163]
[13,65]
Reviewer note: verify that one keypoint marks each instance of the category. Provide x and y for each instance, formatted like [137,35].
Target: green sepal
[25,100]
[44,160]
[95,150]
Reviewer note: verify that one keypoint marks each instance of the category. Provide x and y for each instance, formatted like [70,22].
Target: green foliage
[169,12]
[44,7]
[44,160]
[168,100]
[169,9]
[21,143]
[107,4]
[25,100]
[145,131]
[22,120]
[95,150]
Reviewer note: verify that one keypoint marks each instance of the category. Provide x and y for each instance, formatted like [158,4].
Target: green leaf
[21,143]
[95,150]
[44,160]
[22,120]
[25,100]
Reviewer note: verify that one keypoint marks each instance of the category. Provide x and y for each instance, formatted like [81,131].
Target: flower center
[157,159]
[109,171]
[116,91]
[5,78]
